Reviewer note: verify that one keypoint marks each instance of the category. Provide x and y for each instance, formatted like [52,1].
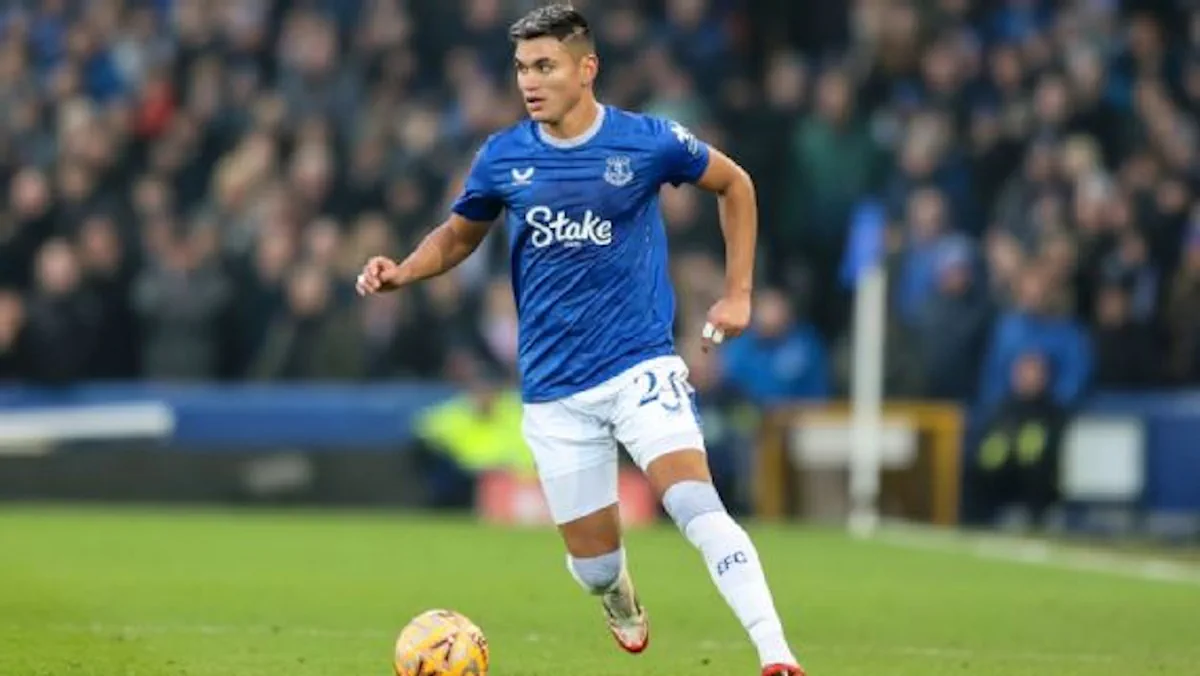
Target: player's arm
[738,211]
[471,215]
[440,251]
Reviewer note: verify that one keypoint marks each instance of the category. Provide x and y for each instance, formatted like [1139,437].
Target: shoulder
[629,121]
[512,140]
[646,125]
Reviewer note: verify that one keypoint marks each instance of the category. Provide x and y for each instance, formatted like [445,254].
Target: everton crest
[618,170]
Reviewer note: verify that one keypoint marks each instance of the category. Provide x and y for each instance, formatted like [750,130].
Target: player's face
[551,77]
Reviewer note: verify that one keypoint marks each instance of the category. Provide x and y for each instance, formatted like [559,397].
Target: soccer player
[578,183]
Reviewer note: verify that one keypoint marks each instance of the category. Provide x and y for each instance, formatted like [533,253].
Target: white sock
[734,566]
[607,577]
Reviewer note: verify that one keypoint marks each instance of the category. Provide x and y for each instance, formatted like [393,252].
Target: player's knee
[688,500]
[597,574]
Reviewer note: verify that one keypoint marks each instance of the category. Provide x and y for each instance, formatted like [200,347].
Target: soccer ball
[441,643]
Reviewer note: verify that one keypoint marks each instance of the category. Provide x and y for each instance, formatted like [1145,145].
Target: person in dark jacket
[1016,468]
[312,337]
[1127,353]
[952,327]
[62,319]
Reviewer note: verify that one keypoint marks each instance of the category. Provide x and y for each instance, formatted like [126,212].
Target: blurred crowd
[190,186]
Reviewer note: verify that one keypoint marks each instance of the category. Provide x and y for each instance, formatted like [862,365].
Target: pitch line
[1030,551]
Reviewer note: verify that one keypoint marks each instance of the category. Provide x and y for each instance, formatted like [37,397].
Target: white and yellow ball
[441,643]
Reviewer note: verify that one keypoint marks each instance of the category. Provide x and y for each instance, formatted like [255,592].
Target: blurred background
[188,188]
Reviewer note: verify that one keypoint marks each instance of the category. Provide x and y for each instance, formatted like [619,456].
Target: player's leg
[682,480]
[663,435]
[596,560]
[577,466]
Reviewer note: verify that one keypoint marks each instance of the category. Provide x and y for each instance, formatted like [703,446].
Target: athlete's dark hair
[560,21]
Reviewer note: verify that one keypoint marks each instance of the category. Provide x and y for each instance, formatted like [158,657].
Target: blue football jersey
[588,246]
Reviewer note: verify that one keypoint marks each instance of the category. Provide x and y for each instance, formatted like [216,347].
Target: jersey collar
[575,141]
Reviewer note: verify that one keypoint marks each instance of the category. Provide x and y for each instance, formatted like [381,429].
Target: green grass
[200,593]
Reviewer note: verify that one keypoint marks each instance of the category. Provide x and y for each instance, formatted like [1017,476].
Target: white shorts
[649,409]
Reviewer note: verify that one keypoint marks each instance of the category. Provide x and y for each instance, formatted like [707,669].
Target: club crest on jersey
[618,170]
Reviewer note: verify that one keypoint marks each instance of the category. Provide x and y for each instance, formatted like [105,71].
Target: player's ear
[589,67]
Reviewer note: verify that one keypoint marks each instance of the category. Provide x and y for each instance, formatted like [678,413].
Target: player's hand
[376,276]
[727,318]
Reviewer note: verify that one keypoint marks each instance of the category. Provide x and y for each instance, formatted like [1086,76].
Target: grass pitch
[121,592]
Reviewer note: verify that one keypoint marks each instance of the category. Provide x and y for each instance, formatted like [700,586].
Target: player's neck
[576,122]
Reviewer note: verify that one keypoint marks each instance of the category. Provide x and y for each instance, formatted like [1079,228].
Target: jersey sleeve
[479,199]
[681,156]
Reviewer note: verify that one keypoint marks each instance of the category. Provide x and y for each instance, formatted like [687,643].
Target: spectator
[1013,214]
[62,321]
[927,159]
[952,326]
[1094,114]
[311,338]
[926,236]
[109,274]
[1126,353]
[30,221]
[1130,267]
[1016,468]
[835,161]
[470,434]
[994,155]
[1037,324]
[179,299]
[778,359]
[394,343]
[260,292]
[694,34]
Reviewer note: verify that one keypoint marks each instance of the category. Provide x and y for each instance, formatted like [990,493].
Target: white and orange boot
[627,619]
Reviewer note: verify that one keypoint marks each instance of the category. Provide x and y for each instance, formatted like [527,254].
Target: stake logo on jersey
[558,228]
[587,244]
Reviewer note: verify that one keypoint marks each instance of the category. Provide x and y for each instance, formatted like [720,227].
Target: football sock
[605,576]
[597,574]
[733,564]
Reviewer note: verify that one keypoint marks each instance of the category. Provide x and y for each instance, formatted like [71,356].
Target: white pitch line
[1038,553]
